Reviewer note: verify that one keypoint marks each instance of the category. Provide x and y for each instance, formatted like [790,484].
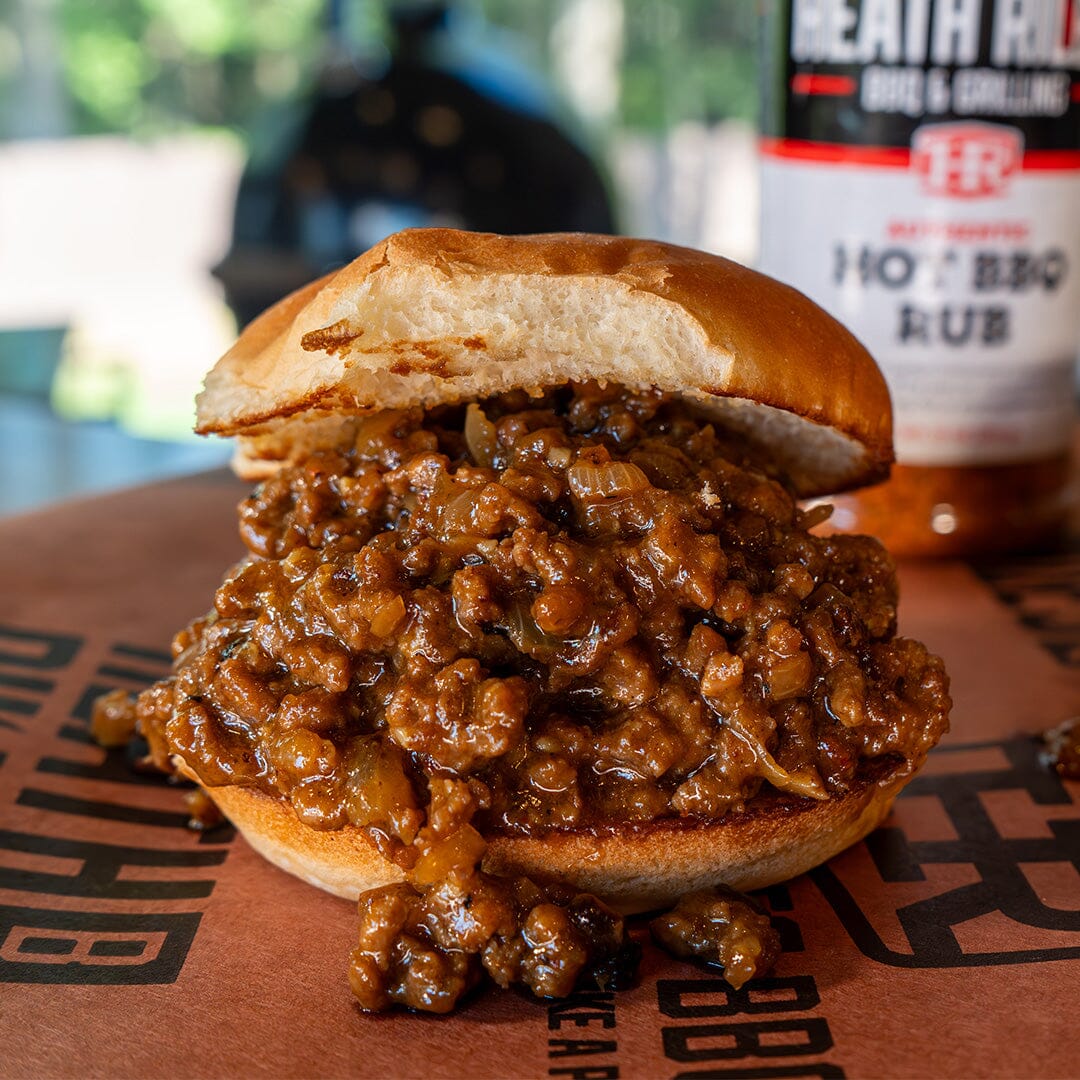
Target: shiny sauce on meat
[532,614]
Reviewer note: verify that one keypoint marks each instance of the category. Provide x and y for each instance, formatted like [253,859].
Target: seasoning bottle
[921,181]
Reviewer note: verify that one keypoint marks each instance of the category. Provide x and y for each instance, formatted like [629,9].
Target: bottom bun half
[633,868]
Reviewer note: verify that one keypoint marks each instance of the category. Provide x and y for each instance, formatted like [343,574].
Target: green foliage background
[150,66]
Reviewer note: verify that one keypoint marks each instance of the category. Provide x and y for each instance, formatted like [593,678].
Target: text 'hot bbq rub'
[531,629]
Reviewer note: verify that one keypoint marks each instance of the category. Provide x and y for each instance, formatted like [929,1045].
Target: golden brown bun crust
[432,316]
[634,869]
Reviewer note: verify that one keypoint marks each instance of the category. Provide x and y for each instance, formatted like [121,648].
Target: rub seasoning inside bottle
[921,181]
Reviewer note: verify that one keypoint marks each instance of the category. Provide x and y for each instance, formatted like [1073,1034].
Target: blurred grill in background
[171,167]
[432,128]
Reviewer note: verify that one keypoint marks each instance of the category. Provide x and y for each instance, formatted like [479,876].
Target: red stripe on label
[891,157]
[1074,91]
[1051,159]
[834,85]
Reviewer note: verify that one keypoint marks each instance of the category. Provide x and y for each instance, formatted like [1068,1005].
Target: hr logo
[966,160]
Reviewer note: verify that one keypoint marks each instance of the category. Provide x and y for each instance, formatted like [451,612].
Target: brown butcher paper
[947,944]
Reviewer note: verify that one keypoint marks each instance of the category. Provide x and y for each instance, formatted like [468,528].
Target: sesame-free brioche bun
[632,867]
[436,316]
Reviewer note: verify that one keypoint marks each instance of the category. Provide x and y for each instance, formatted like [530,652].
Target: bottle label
[921,181]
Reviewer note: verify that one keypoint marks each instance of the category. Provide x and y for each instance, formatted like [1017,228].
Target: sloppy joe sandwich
[531,631]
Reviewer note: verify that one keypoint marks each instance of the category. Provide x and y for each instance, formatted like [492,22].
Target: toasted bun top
[434,316]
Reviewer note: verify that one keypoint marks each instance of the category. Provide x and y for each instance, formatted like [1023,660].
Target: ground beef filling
[721,927]
[533,614]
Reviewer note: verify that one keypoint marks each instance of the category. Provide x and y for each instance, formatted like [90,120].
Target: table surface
[946,944]
[45,459]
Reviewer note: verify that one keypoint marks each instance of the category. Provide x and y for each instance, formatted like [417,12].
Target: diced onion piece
[790,676]
[806,782]
[612,480]
[526,634]
[461,849]
[379,793]
[457,512]
[374,429]
[386,619]
[480,437]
